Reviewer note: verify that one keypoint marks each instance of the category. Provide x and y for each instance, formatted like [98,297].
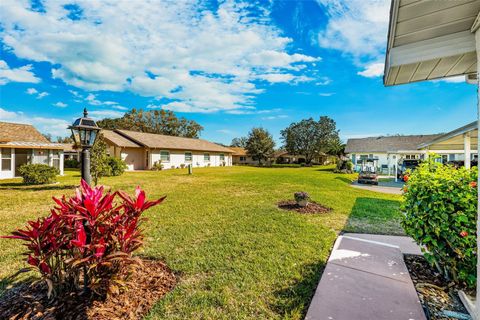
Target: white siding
[177,159]
[38,156]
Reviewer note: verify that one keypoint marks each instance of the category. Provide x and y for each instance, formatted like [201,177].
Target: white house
[21,144]
[142,150]
[388,150]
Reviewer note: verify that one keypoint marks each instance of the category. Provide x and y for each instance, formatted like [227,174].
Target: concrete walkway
[365,280]
[379,188]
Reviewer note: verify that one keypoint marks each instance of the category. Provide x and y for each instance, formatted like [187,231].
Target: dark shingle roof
[388,143]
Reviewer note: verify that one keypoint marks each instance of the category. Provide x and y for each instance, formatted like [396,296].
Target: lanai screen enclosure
[433,40]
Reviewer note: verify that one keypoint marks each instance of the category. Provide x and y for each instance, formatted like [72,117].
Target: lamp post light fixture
[85,132]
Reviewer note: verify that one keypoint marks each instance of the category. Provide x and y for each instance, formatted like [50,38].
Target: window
[6,159]
[411,156]
[206,157]
[188,157]
[243,159]
[222,157]
[56,159]
[164,156]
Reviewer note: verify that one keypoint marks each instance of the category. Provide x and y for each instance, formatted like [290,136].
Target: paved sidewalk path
[382,189]
[365,280]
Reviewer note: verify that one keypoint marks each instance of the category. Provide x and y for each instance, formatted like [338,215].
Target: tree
[154,121]
[47,136]
[239,142]
[260,144]
[99,160]
[64,140]
[310,138]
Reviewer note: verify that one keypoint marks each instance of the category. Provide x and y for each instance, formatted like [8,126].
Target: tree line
[308,137]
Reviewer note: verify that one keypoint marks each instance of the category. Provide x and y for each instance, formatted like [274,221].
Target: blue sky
[228,65]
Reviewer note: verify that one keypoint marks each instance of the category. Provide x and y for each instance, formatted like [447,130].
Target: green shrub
[157,165]
[71,163]
[116,166]
[38,173]
[440,214]
[344,166]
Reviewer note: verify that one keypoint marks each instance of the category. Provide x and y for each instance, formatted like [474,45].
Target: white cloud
[60,104]
[203,59]
[456,79]
[42,94]
[53,126]
[281,116]
[22,74]
[100,114]
[326,94]
[356,27]
[372,70]
[225,131]
[31,91]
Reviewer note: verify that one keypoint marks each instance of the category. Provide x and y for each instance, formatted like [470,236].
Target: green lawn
[236,254]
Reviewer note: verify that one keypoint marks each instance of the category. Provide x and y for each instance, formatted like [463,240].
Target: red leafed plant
[87,239]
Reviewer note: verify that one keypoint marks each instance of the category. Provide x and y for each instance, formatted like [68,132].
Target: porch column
[477,302]
[466,149]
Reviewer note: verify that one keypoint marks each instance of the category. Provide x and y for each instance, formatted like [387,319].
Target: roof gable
[18,132]
[160,141]
[388,143]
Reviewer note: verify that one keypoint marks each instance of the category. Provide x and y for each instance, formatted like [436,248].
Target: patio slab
[364,280]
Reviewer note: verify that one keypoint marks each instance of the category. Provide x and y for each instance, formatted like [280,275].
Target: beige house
[240,156]
[21,144]
[141,151]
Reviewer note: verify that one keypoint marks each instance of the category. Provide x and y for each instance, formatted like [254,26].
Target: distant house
[389,151]
[70,152]
[240,156]
[142,150]
[21,144]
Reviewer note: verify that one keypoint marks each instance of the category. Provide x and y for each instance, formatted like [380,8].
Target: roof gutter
[390,37]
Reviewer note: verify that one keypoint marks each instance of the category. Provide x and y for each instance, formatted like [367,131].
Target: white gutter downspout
[466,149]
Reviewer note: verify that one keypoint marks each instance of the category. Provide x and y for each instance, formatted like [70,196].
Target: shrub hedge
[440,214]
[116,166]
[38,173]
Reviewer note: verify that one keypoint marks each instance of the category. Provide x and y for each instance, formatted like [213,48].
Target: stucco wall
[177,158]
[43,156]
[134,158]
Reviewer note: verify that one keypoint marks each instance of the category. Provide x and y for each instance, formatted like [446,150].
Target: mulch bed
[150,283]
[438,296]
[312,207]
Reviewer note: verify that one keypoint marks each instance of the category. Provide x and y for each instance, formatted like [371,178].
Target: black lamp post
[85,132]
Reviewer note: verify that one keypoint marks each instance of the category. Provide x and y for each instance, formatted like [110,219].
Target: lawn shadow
[326,169]
[23,187]
[343,179]
[294,300]
[15,280]
[376,216]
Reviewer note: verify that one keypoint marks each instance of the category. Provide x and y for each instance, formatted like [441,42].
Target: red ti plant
[88,232]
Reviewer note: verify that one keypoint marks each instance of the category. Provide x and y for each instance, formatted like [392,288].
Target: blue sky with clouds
[228,65]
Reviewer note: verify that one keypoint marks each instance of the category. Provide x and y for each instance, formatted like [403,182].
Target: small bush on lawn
[88,232]
[71,163]
[117,166]
[441,210]
[38,173]
[344,166]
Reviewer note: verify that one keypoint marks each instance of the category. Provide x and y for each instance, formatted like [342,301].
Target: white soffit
[430,39]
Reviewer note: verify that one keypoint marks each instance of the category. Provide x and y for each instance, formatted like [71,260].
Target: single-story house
[21,144]
[459,145]
[387,150]
[240,156]
[70,152]
[391,150]
[141,151]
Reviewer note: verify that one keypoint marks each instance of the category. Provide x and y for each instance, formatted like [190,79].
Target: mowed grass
[237,256]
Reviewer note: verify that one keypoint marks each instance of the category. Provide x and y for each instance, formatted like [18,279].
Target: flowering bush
[88,238]
[441,210]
